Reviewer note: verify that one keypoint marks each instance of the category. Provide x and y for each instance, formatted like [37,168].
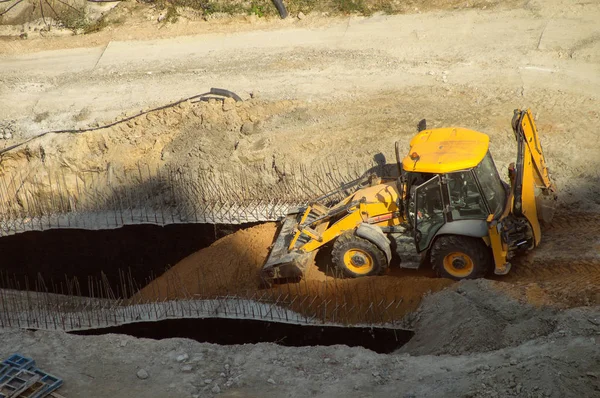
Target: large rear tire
[460,257]
[357,257]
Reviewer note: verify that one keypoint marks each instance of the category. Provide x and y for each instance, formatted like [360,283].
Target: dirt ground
[231,266]
[333,89]
[551,276]
[155,19]
[488,346]
[340,91]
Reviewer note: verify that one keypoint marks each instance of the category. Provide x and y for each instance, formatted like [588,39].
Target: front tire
[357,257]
[461,257]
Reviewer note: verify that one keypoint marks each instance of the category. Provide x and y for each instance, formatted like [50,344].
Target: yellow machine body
[445,150]
[375,205]
[383,208]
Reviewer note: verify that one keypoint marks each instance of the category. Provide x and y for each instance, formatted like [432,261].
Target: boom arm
[530,178]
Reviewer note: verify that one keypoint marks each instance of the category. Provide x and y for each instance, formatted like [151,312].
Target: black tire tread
[349,240]
[474,247]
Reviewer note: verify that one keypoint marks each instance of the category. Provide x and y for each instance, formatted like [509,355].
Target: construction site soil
[231,266]
[550,276]
[470,341]
[337,91]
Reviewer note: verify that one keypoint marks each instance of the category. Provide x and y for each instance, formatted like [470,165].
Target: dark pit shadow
[243,331]
[135,252]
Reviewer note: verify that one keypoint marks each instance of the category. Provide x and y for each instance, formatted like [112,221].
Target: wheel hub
[358,260]
[459,263]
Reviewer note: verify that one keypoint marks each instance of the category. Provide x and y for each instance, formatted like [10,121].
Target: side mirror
[422,125]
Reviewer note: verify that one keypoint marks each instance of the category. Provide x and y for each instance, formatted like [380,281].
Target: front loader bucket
[283,263]
[287,260]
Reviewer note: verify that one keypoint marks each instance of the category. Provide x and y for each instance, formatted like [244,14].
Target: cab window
[466,201]
[429,212]
[491,184]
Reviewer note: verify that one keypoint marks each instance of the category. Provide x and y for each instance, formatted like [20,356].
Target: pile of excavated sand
[207,135]
[231,266]
[559,274]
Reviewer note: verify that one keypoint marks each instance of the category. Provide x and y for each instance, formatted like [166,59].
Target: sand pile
[231,266]
[558,274]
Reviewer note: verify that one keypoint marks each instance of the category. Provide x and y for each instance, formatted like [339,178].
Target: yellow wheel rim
[458,264]
[358,261]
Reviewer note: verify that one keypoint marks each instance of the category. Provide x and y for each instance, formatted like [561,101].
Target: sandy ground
[231,266]
[343,89]
[489,346]
[564,272]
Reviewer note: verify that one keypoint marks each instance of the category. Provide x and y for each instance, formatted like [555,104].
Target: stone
[301,15]
[207,381]
[187,368]
[142,374]
[248,128]
[270,381]
[216,389]
[182,357]
[228,104]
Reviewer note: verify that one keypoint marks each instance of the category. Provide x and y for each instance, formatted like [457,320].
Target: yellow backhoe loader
[448,209]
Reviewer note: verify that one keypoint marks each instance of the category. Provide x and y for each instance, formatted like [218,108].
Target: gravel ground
[497,350]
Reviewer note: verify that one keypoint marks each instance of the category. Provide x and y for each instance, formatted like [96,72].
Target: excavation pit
[129,263]
[225,331]
[51,260]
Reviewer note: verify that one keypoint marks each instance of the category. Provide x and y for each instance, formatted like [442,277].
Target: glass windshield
[465,199]
[491,184]
[429,212]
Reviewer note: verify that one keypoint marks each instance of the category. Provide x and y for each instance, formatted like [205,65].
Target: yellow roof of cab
[445,150]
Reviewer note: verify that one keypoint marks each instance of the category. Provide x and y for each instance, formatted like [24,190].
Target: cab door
[427,212]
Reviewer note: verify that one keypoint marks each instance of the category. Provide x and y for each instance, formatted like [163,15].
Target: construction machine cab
[450,176]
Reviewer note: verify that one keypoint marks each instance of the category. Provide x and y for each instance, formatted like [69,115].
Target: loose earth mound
[231,266]
[556,274]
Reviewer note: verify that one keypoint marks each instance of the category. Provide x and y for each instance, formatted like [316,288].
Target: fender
[473,228]
[376,236]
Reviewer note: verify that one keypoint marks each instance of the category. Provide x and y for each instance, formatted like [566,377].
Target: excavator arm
[532,197]
[534,194]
